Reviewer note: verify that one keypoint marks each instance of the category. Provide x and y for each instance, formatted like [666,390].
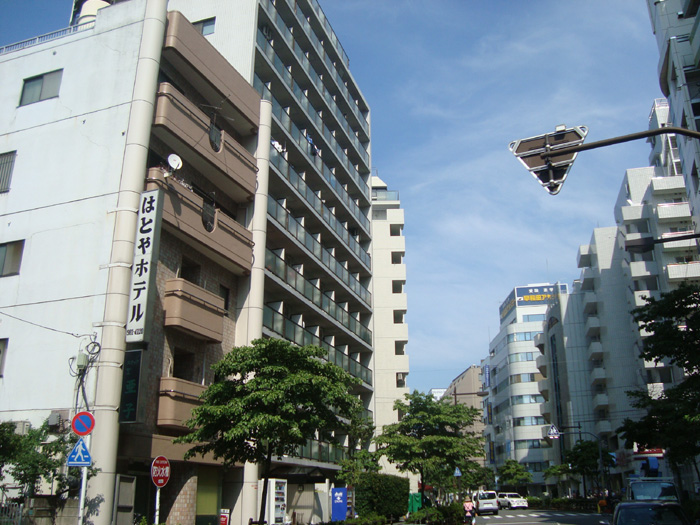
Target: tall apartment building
[590,342]
[169,190]
[513,408]
[390,307]
[466,389]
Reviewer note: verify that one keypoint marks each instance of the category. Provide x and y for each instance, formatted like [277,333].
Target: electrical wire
[46,327]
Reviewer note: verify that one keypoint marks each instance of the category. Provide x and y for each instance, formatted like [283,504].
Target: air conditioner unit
[22,427]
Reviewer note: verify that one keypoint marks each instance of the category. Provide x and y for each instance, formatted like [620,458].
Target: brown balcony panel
[230,244]
[194,310]
[176,399]
[211,74]
[181,125]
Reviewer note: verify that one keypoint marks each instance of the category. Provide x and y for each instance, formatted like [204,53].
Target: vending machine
[276,508]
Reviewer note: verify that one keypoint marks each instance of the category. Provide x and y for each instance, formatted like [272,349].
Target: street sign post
[160,475]
[82,424]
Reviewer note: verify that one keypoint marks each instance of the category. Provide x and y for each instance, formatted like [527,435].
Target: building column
[108,384]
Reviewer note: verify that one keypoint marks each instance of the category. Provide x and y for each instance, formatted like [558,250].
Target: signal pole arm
[619,140]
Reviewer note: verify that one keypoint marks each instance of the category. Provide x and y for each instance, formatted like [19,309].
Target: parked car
[487,501]
[646,512]
[511,500]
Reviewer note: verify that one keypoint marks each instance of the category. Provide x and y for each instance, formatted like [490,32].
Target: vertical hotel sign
[143,271]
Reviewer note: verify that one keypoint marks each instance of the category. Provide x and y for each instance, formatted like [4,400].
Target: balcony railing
[182,209]
[297,281]
[194,310]
[673,211]
[279,66]
[176,399]
[291,225]
[322,451]
[300,139]
[47,37]
[316,203]
[284,327]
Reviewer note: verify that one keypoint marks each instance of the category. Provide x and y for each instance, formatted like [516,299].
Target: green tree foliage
[10,444]
[431,437]
[559,472]
[584,459]
[270,399]
[382,494]
[513,474]
[671,421]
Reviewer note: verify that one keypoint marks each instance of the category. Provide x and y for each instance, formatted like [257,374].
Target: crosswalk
[533,515]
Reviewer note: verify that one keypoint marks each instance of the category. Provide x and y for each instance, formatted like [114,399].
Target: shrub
[426,515]
[382,494]
[370,518]
[452,514]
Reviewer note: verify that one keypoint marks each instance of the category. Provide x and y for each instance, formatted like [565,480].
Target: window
[401,379]
[10,258]
[206,27]
[3,351]
[396,257]
[398,316]
[190,271]
[7,163]
[397,286]
[183,364]
[40,88]
[395,230]
[400,347]
[533,318]
[225,293]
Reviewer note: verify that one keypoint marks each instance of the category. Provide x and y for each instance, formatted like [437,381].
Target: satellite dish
[175,162]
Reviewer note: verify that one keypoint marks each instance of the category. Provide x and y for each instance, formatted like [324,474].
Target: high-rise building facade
[515,424]
[466,389]
[390,308]
[177,178]
[591,344]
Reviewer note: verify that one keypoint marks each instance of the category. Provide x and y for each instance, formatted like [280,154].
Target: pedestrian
[469,514]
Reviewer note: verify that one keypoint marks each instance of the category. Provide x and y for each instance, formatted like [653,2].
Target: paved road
[527,517]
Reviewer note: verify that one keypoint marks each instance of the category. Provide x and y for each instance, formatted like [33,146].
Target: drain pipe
[109,368]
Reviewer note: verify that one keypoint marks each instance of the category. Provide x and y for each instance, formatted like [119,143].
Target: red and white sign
[83,423]
[160,471]
[224,516]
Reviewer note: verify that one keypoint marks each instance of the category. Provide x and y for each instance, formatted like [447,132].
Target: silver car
[487,502]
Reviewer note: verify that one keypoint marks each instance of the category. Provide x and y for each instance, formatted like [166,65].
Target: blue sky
[451,83]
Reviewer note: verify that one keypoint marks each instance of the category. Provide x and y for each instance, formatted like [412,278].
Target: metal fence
[11,513]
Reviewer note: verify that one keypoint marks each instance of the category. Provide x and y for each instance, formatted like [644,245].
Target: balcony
[176,399]
[194,310]
[229,243]
[587,279]
[603,427]
[664,185]
[598,375]
[211,75]
[590,303]
[592,326]
[543,387]
[546,410]
[595,350]
[673,211]
[632,213]
[684,245]
[643,269]
[541,363]
[585,256]
[683,271]
[184,128]
[600,401]
[539,341]
[640,297]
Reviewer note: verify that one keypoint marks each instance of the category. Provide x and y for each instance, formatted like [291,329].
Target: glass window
[40,88]
[10,257]
[7,164]
[206,27]
[3,352]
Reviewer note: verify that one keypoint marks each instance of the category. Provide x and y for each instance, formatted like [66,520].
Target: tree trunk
[266,482]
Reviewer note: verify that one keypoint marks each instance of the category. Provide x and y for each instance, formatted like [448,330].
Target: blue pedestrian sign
[79,456]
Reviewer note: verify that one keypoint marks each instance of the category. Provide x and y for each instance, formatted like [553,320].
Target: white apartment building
[513,408]
[390,307]
[590,342]
[261,229]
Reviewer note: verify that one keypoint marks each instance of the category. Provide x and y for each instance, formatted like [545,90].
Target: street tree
[431,436]
[672,323]
[559,472]
[513,474]
[269,400]
[584,458]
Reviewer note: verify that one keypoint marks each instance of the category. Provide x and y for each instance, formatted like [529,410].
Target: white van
[487,501]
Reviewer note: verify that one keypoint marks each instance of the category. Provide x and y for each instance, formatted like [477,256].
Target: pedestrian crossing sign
[553,432]
[80,455]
